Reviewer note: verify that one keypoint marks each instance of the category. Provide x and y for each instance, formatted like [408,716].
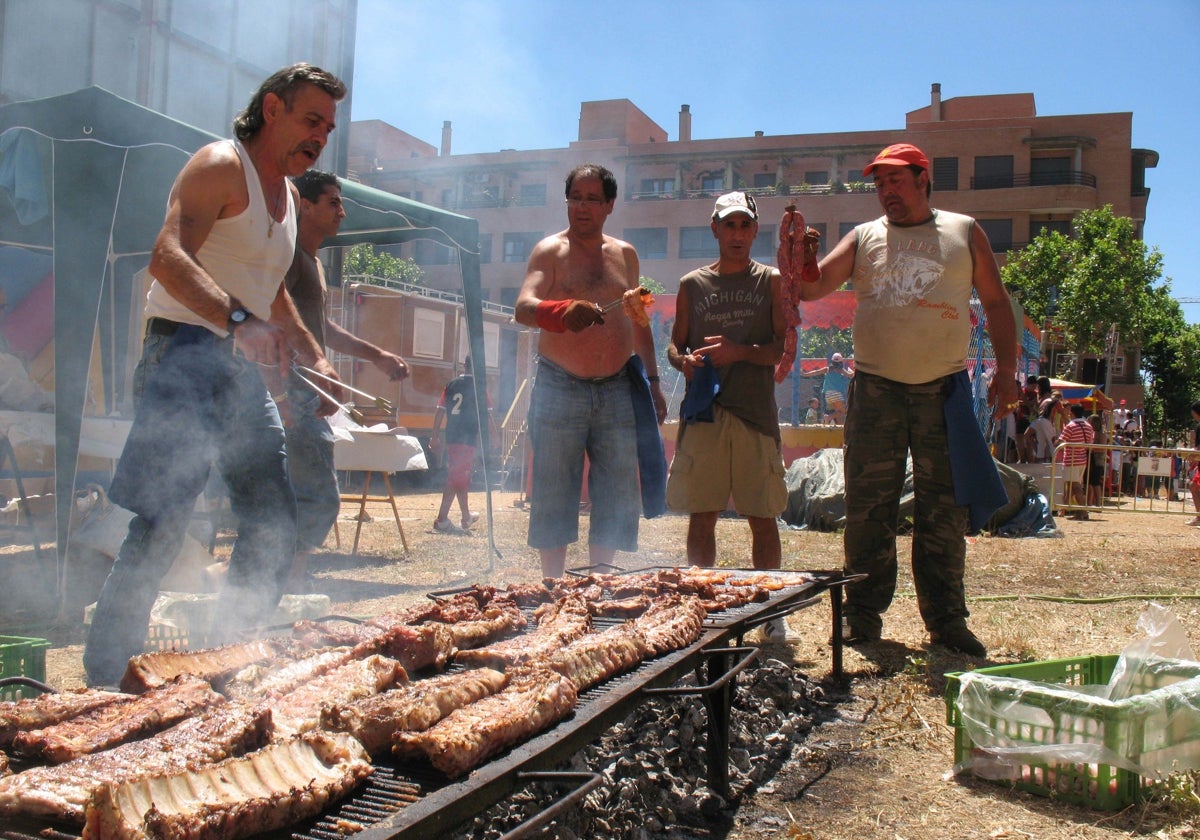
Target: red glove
[563,315]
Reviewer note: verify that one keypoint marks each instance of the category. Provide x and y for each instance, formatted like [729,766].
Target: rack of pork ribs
[256,736]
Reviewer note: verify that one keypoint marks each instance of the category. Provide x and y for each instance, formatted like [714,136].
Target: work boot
[857,632]
[958,637]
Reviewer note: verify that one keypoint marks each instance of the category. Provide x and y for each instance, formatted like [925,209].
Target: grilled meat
[320,634]
[620,607]
[62,791]
[300,710]
[559,623]
[115,723]
[672,622]
[264,680]
[265,790]
[529,594]
[416,706]
[426,646]
[594,657]
[148,670]
[502,616]
[534,699]
[49,709]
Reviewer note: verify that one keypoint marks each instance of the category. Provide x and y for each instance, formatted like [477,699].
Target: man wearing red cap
[913,270]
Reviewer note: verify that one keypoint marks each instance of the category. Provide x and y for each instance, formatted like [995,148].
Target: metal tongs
[609,307]
[379,402]
[355,415]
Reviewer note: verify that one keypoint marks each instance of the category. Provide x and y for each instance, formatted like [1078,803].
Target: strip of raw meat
[48,709]
[147,670]
[560,623]
[116,723]
[268,789]
[534,700]
[414,707]
[300,710]
[62,792]
[593,658]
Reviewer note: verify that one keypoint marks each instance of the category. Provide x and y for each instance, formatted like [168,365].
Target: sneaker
[445,526]
[775,630]
[959,638]
[470,520]
[1195,520]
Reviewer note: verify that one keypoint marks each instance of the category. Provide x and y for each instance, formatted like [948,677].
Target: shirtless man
[582,400]
[220,320]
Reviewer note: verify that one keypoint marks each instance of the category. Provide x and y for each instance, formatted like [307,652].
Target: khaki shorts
[1073,473]
[724,458]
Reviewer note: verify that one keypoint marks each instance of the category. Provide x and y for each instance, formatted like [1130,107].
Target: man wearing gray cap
[728,337]
[913,271]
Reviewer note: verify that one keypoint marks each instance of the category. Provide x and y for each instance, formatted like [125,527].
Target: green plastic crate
[1121,726]
[22,657]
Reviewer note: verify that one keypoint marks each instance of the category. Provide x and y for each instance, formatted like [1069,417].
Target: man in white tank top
[913,270]
[220,320]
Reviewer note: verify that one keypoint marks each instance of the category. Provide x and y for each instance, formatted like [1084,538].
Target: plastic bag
[1145,719]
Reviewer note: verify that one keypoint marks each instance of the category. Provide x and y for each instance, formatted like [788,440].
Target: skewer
[355,414]
[608,307]
[380,402]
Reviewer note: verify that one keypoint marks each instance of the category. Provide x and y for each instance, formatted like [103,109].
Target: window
[428,252]
[429,332]
[448,198]
[763,180]
[485,248]
[650,243]
[999,232]
[817,177]
[945,173]
[657,186]
[1044,172]
[846,227]
[765,245]
[697,243]
[993,172]
[714,182]
[491,344]
[518,245]
[1063,227]
[532,195]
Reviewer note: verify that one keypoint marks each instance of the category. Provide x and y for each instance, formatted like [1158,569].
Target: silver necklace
[271,216]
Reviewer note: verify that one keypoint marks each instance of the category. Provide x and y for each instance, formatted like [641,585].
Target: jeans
[310,467]
[569,417]
[201,404]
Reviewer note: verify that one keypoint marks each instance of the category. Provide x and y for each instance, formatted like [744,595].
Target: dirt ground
[881,769]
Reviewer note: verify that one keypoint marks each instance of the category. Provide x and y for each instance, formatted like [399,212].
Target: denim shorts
[568,418]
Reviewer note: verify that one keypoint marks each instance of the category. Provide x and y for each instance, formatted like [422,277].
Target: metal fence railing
[1136,479]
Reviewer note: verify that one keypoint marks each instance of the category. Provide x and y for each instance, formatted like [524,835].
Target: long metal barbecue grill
[415,802]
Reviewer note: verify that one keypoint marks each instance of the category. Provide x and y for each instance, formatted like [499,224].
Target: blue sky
[512,73]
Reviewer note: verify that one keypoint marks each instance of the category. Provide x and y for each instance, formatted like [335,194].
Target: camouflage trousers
[886,421]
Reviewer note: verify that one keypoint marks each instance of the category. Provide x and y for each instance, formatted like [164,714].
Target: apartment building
[993,157]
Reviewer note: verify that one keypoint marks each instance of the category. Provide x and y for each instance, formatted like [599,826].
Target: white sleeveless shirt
[913,289]
[239,256]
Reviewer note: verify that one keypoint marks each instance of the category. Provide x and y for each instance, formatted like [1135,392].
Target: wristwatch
[237,316]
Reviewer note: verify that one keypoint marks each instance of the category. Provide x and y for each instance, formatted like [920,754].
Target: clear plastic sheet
[1144,719]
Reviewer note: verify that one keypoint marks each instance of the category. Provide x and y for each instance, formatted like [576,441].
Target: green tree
[1102,277]
[379,267]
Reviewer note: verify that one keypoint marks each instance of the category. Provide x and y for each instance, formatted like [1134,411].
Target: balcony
[1073,178]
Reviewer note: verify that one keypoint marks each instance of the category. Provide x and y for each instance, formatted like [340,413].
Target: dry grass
[881,769]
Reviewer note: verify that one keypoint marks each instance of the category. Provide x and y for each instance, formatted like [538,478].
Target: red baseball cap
[899,154]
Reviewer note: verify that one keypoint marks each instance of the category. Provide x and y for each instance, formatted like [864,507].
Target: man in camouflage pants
[913,270]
